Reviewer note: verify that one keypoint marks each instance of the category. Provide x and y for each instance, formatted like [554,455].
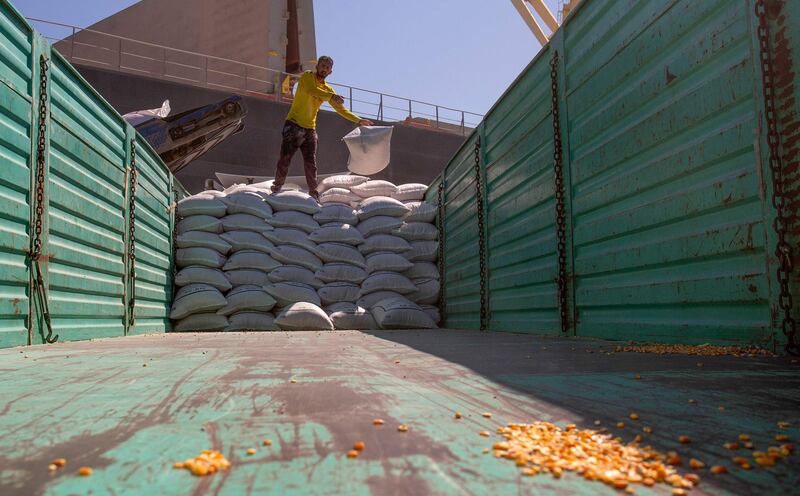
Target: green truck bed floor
[316,393]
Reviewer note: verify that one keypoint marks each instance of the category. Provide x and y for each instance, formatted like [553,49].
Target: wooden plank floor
[315,394]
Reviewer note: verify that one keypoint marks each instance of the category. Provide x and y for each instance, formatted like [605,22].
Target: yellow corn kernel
[377,421]
[352,454]
[696,464]
[359,445]
[267,442]
[684,439]
[251,451]
[634,416]
[402,428]
[719,469]
[85,471]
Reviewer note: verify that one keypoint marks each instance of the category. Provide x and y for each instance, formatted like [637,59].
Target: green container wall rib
[16,122]
[86,203]
[669,233]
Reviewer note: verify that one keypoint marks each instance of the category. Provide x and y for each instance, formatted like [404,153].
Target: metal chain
[783,250]
[440,226]
[39,286]
[132,233]
[558,173]
[484,314]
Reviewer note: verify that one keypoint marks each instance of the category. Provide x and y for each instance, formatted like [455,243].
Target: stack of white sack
[396,256]
[251,260]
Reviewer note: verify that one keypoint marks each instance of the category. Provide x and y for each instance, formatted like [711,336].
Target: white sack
[295,220]
[205,223]
[399,313]
[345,181]
[379,224]
[295,273]
[289,236]
[338,195]
[370,148]
[337,233]
[248,240]
[293,255]
[381,205]
[249,297]
[245,222]
[206,257]
[420,212]
[333,272]
[251,321]
[417,231]
[410,192]
[286,293]
[371,299]
[384,242]
[350,316]
[196,298]
[240,277]
[423,251]
[202,275]
[193,239]
[292,201]
[209,322]
[251,259]
[387,261]
[337,292]
[387,281]
[374,188]
[338,252]
[336,212]
[303,317]
[200,204]
[248,202]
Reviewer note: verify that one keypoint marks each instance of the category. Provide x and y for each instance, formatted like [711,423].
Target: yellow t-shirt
[309,98]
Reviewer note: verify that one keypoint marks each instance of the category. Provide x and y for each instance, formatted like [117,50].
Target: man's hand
[365,122]
[337,99]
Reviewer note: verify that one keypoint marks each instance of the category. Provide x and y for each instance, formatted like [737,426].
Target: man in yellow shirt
[299,131]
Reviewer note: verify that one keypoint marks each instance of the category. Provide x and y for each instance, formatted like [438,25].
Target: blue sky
[457,53]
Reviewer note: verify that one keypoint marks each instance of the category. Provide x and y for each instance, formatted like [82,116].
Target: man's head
[324,66]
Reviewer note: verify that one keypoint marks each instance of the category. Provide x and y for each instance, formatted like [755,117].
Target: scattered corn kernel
[719,469]
[484,433]
[377,421]
[402,428]
[52,467]
[268,442]
[637,377]
[634,416]
[178,465]
[293,381]
[620,425]
[597,422]
[457,415]
[744,437]
[748,445]
[739,460]
[208,462]
[678,492]
[692,401]
[784,425]
[85,471]
[352,454]
[359,445]
[696,464]
[693,478]
[731,446]
[487,414]
[765,461]
[60,462]
[648,481]
[674,458]
[781,437]
[647,429]
[251,451]
[684,439]
[485,450]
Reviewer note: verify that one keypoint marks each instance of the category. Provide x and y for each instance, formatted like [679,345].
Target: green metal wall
[668,217]
[86,224]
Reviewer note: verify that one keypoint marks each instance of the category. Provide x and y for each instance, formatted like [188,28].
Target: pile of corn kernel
[207,463]
[545,447]
[701,350]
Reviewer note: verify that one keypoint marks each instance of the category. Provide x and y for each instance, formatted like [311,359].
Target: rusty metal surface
[95,404]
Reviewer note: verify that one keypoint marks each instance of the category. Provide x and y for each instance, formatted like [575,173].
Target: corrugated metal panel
[461,254]
[153,243]
[15,176]
[668,233]
[86,212]
[518,153]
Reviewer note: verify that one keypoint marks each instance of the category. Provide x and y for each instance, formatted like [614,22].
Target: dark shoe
[314,195]
[275,190]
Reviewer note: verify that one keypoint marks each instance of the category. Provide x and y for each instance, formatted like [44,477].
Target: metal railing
[118,53]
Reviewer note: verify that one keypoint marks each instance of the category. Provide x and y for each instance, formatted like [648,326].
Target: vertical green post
[557,43]
[36,324]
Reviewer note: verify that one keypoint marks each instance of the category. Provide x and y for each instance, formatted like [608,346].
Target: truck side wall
[667,184]
[87,240]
